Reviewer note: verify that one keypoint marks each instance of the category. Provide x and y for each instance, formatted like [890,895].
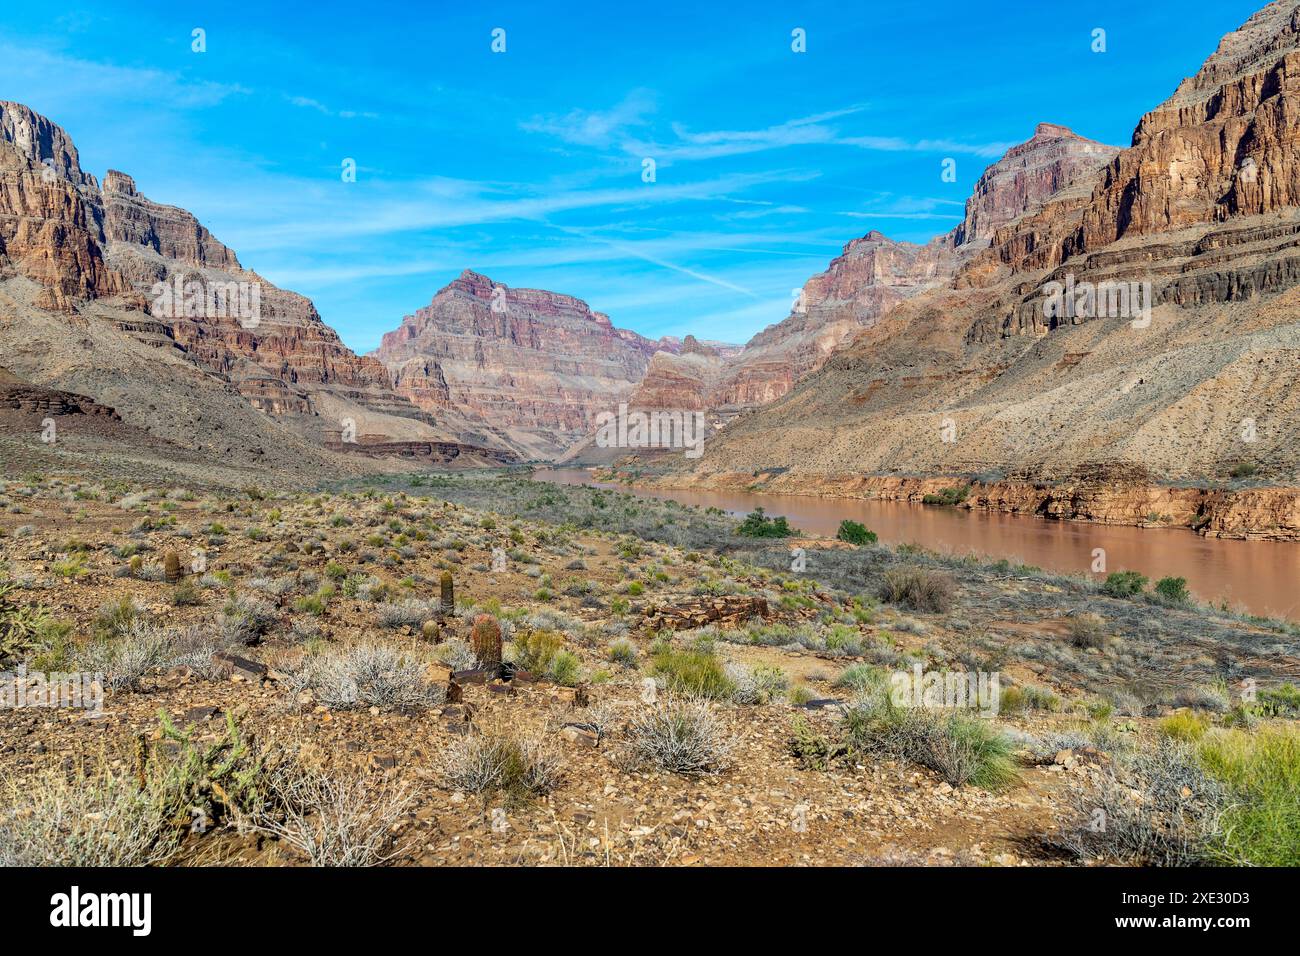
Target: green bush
[855,533]
[1173,589]
[534,650]
[961,748]
[759,525]
[1124,583]
[947,496]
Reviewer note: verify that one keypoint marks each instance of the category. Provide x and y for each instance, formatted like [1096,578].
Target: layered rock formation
[158,298]
[979,375]
[530,367]
[683,379]
[874,274]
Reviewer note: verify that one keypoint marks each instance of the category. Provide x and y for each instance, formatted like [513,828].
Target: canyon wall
[533,366]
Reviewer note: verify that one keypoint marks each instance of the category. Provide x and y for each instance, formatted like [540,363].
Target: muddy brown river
[1261,577]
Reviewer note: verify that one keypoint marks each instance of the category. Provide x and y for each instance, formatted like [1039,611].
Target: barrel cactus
[447,602]
[485,638]
[172,567]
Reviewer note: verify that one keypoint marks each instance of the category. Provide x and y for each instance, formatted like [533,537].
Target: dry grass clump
[1159,809]
[681,736]
[918,589]
[498,760]
[96,819]
[366,675]
[335,820]
[1087,631]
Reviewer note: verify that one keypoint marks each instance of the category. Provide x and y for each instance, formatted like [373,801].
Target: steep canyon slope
[259,381]
[981,375]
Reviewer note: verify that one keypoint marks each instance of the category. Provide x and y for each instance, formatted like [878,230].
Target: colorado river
[1261,577]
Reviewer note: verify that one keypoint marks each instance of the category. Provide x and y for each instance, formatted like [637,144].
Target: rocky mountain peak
[117,182]
[1026,175]
[42,142]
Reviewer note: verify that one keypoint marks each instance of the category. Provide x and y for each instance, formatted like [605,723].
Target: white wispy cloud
[56,78]
[612,129]
[314,213]
[306,102]
[600,128]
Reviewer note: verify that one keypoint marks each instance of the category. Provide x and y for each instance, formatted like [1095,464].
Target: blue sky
[527,165]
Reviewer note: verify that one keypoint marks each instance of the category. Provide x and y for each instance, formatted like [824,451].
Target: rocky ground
[667,703]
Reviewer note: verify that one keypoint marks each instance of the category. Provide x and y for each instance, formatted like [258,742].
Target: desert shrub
[1243,469]
[755,685]
[681,736]
[457,655]
[536,649]
[499,761]
[193,647]
[1280,701]
[138,649]
[1156,809]
[1087,631]
[695,672]
[245,620]
[862,678]
[94,815]
[961,748]
[83,820]
[21,626]
[800,694]
[113,618]
[366,675]
[917,588]
[187,593]
[1173,590]
[814,750]
[1212,697]
[1124,583]
[855,533]
[565,669]
[409,613]
[759,525]
[1186,725]
[334,820]
[1023,697]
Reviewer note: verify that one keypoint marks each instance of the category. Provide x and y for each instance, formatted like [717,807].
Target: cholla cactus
[447,603]
[485,637]
[172,567]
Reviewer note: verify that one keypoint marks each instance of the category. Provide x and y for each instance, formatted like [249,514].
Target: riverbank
[1250,514]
